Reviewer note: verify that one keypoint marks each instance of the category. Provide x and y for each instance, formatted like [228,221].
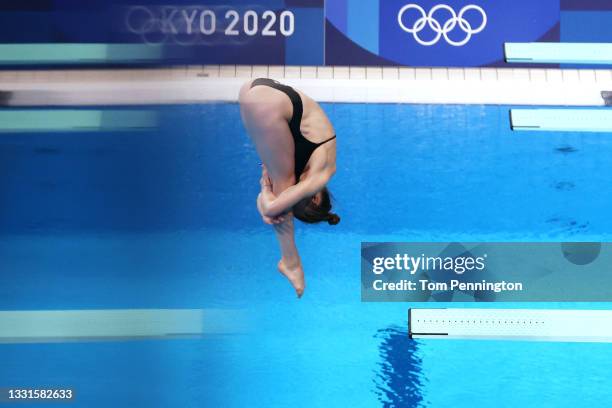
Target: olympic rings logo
[440,29]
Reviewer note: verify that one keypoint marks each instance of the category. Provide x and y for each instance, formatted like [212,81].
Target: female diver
[297,144]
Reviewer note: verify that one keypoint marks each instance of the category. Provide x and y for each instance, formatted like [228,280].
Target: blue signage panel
[268,32]
[305,32]
[434,33]
[279,32]
[586,21]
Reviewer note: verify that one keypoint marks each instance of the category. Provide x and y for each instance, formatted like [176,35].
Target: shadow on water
[566,149]
[399,378]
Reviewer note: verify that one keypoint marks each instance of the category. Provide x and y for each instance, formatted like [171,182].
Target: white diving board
[511,324]
[559,53]
[562,120]
[42,326]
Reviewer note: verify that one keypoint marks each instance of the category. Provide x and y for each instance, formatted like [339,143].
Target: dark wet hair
[307,211]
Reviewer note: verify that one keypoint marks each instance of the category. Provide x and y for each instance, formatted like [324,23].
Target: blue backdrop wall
[311,32]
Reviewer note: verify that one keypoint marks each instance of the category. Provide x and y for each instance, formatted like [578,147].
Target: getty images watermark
[458,265]
[486,272]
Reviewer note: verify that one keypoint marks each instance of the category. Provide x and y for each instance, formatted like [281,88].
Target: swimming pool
[167,219]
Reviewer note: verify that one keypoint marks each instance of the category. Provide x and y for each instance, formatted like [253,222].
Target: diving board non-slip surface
[559,53]
[86,325]
[512,324]
[562,120]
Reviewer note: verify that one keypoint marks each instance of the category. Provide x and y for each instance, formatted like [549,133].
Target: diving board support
[511,324]
[559,53]
[607,97]
[561,120]
[42,326]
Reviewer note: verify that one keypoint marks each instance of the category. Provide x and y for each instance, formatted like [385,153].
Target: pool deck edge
[203,84]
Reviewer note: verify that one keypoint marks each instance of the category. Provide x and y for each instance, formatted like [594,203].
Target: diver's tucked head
[316,209]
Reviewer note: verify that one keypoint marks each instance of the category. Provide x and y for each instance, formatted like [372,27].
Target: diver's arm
[267,220]
[273,206]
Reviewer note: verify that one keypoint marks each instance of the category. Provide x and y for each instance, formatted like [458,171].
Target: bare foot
[295,274]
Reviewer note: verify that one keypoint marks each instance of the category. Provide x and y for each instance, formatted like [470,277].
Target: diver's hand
[269,220]
[267,194]
[264,181]
[279,219]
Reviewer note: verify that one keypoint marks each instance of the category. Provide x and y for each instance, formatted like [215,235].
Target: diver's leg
[290,264]
[267,127]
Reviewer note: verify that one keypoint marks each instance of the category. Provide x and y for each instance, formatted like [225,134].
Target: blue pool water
[167,219]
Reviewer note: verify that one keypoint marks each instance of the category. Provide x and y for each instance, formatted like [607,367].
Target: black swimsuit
[303,147]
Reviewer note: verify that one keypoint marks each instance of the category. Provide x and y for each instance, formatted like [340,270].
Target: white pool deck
[221,83]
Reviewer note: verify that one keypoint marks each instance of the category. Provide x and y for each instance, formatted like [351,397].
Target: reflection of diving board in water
[562,120]
[512,324]
[559,53]
[58,53]
[86,325]
[80,120]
